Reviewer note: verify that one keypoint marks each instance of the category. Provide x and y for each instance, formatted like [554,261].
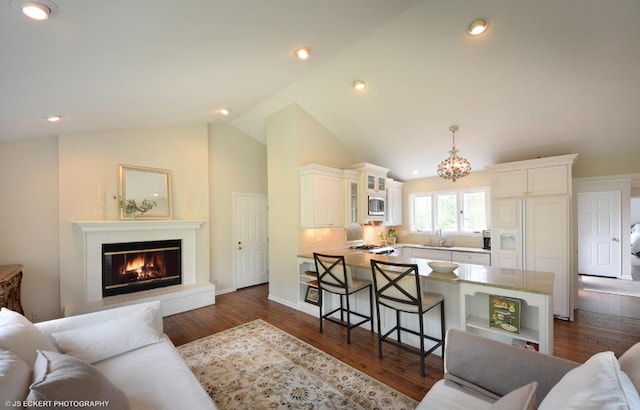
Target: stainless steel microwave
[376,205]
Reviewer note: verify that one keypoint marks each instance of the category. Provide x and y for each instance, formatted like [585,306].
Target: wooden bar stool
[397,287]
[334,276]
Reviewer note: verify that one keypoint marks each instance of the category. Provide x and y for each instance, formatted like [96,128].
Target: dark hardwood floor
[588,334]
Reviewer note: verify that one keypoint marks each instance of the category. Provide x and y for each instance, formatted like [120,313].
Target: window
[463,211]
[422,214]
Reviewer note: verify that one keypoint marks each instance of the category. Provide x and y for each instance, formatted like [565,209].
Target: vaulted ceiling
[549,77]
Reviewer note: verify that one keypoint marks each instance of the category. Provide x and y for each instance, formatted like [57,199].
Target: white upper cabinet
[543,176]
[393,210]
[352,196]
[376,182]
[322,203]
[373,182]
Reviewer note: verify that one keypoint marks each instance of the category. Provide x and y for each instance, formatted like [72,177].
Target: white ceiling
[549,77]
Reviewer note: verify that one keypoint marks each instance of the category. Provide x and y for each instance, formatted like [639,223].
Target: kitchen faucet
[441,240]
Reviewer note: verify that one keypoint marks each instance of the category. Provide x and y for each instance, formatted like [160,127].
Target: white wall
[29,222]
[294,138]
[237,163]
[88,164]
[48,182]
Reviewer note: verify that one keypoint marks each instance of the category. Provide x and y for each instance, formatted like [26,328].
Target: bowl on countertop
[443,267]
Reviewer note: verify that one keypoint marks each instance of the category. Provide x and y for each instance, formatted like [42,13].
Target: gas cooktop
[376,249]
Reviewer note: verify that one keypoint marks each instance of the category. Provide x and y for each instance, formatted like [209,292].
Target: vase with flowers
[130,207]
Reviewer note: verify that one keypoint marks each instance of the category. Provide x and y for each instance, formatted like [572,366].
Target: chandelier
[454,167]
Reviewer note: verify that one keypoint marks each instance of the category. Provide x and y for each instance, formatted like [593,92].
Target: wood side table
[10,279]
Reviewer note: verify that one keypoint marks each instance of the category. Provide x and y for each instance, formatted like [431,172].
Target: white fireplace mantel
[97,233]
[101,226]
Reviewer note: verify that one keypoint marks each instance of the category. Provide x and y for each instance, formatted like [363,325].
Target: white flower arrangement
[130,206]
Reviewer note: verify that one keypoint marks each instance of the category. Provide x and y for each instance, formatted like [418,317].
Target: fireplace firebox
[135,266]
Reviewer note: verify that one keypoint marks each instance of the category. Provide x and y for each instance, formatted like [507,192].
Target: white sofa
[137,365]
[485,374]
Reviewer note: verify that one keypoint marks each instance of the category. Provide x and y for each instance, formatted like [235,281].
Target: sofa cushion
[15,376]
[161,381]
[523,398]
[447,395]
[65,379]
[597,384]
[630,364]
[20,336]
[107,339]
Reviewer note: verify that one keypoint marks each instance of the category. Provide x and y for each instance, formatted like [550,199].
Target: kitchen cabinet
[376,182]
[531,225]
[471,257]
[393,210]
[352,197]
[374,177]
[433,254]
[536,319]
[373,181]
[479,257]
[544,176]
[321,197]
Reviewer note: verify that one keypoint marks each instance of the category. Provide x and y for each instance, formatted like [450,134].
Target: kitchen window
[462,211]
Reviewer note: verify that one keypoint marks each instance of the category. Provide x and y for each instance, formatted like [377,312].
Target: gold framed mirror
[143,183]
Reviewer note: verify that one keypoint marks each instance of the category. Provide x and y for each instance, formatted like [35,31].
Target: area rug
[258,366]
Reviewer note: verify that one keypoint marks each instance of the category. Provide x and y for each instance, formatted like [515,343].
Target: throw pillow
[63,379]
[630,364]
[110,338]
[597,384]
[523,398]
[15,376]
[20,336]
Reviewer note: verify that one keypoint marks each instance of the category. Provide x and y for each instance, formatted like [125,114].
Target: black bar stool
[334,276]
[397,287]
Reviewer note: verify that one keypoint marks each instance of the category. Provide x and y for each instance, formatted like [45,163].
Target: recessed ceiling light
[478,26]
[36,11]
[53,118]
[415,172]
[359,85]
[302,53]
[223,111]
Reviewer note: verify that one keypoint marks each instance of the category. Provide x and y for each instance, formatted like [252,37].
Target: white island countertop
[514,279]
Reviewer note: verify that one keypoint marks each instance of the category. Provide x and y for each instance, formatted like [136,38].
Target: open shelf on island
[526,334]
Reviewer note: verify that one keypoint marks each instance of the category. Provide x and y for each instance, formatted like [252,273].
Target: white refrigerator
[533,234]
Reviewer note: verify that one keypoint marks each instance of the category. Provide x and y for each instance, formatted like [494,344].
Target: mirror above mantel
[143,183]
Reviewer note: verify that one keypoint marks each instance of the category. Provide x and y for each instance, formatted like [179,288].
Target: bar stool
[334,276]
[397,287]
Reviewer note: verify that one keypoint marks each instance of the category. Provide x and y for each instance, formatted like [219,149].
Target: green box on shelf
[504,313]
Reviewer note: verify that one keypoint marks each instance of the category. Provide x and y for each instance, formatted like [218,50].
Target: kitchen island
[466,294]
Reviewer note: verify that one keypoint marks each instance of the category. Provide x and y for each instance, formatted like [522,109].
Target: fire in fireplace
[134,266]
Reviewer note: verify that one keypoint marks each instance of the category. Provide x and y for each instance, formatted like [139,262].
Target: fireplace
[135,266]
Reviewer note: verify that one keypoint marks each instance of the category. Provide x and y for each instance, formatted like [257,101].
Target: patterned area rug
[258,366]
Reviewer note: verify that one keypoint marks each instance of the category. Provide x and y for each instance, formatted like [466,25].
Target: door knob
[615,239]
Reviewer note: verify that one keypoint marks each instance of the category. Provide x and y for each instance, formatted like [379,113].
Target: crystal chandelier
[454,167]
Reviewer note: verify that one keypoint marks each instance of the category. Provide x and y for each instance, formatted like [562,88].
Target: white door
[599,227]
[251,241]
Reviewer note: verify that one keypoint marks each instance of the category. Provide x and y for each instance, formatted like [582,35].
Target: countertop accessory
[443,267]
